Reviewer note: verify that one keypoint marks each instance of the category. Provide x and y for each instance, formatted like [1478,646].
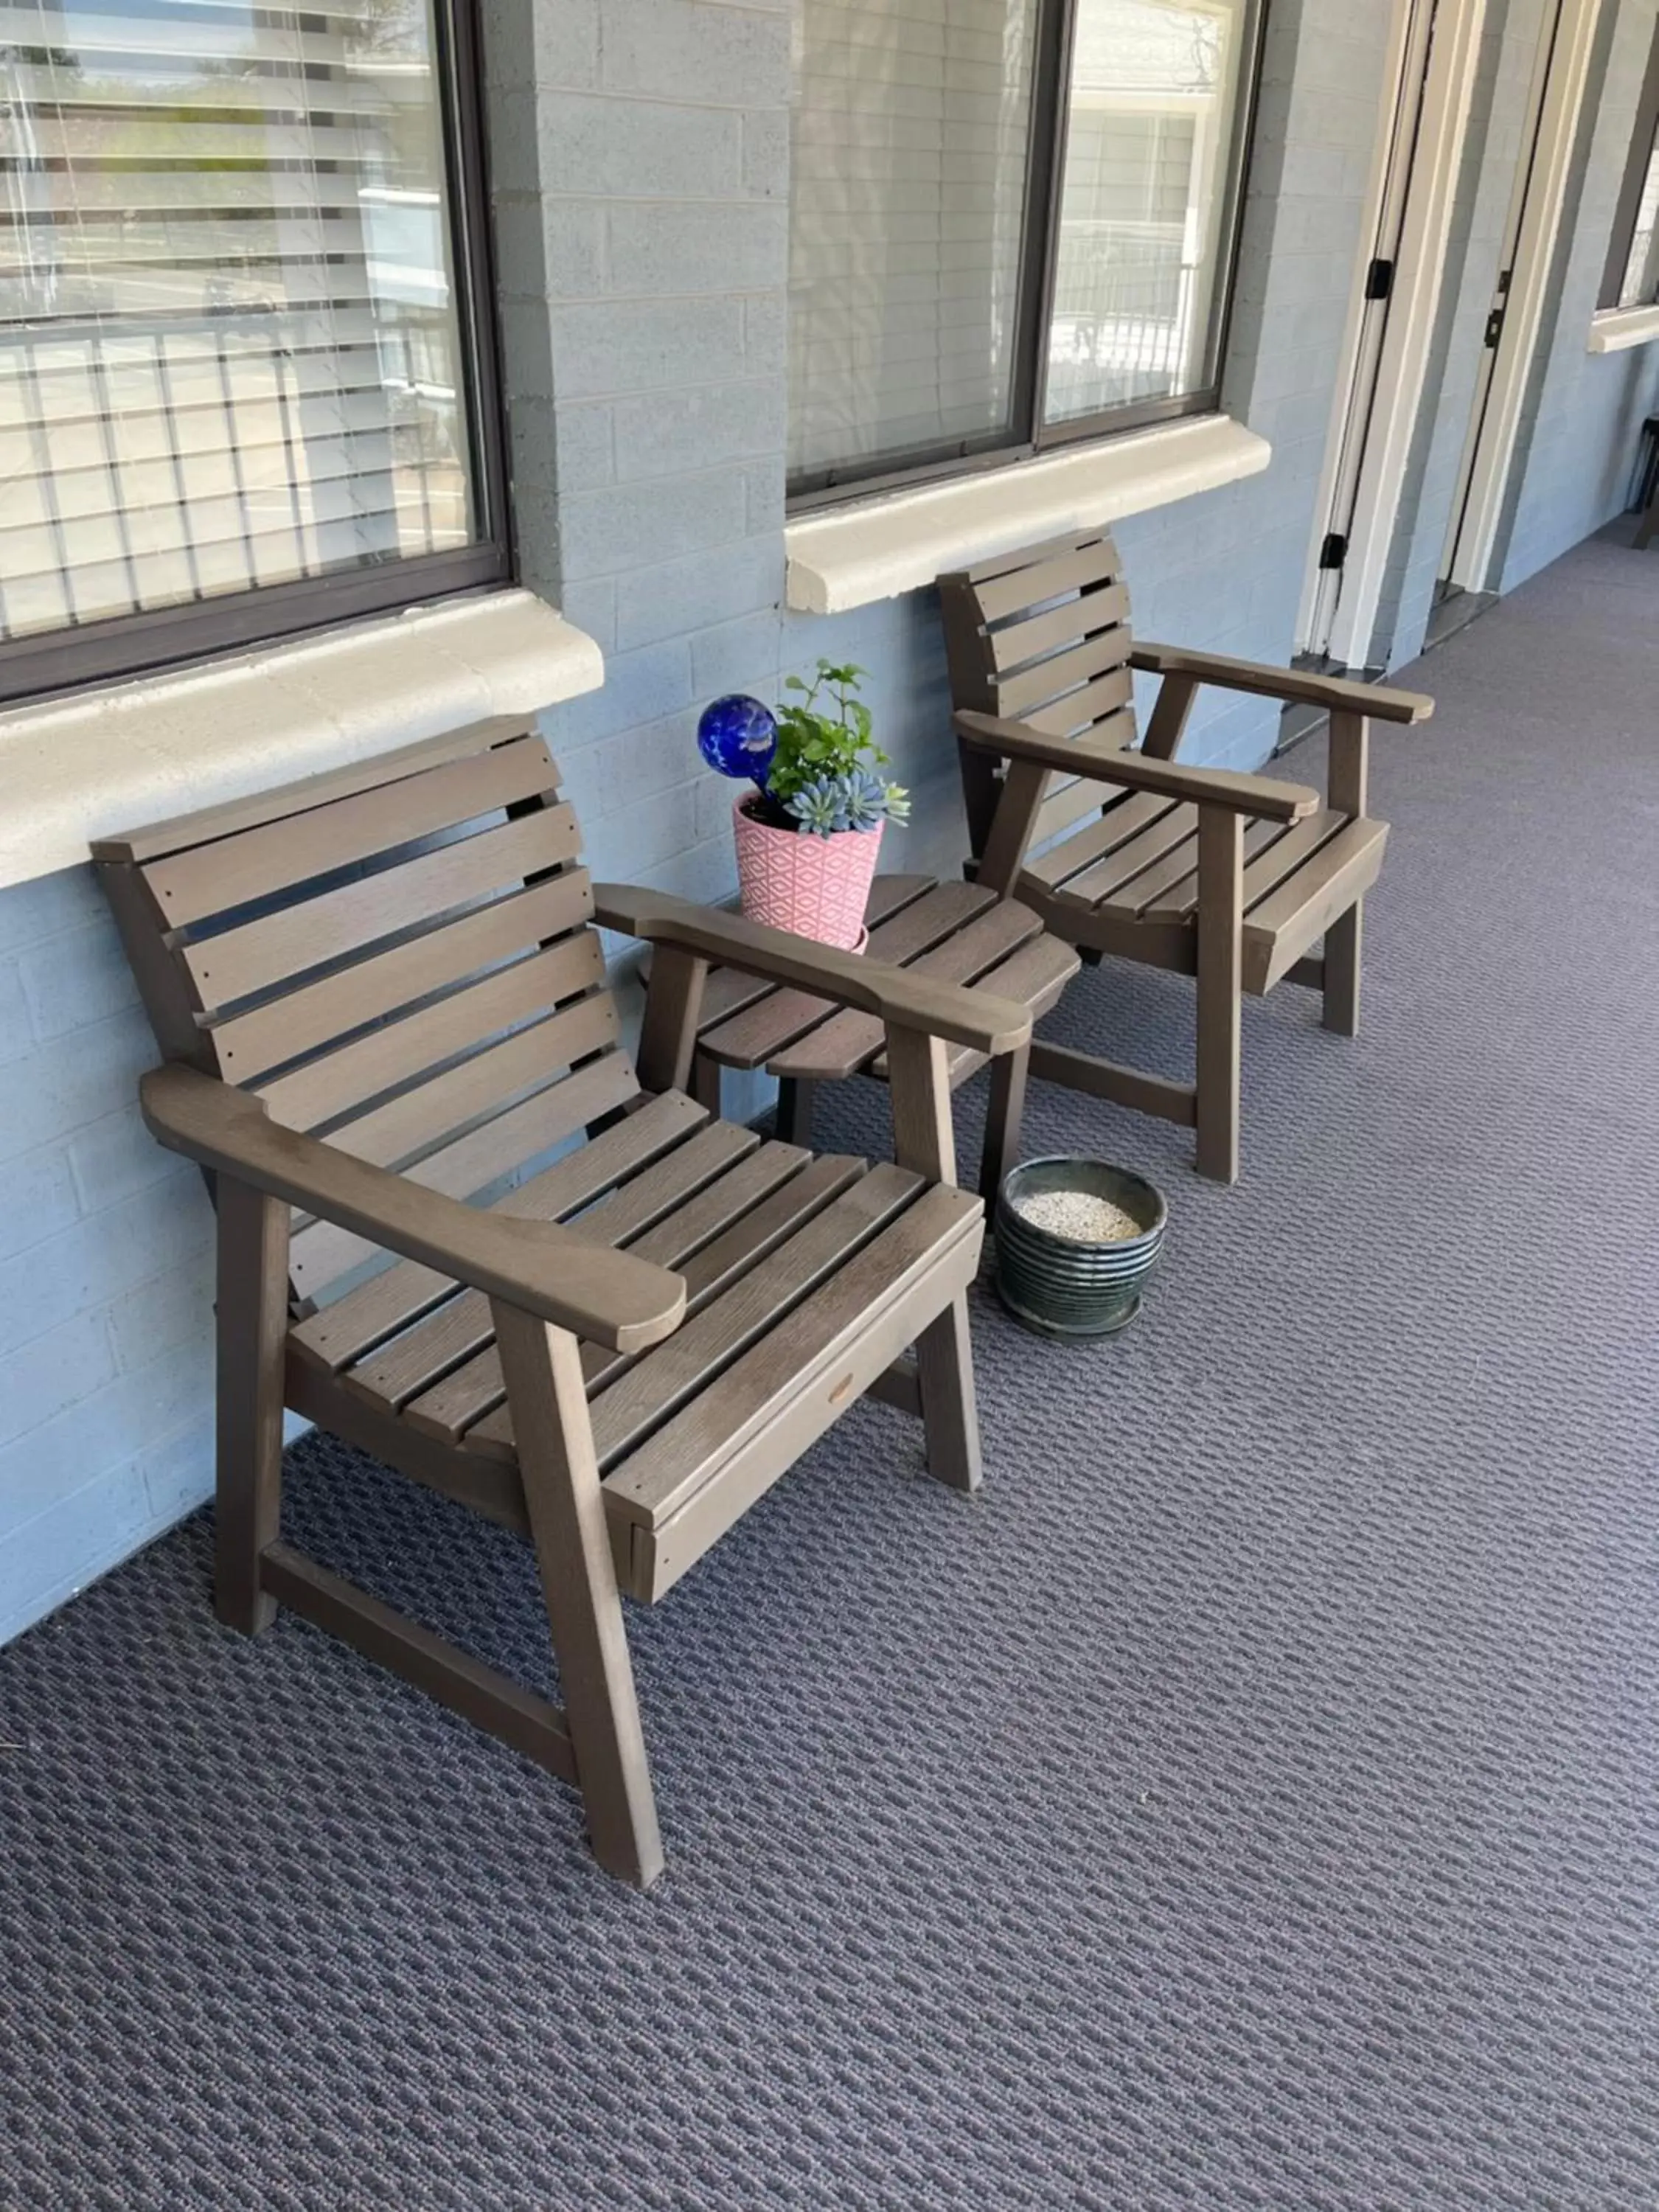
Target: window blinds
[228,351]
[911,127]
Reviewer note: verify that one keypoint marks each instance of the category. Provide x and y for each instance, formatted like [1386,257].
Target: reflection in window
[911,138]
[1631,277]
[1151,103]
[961,283]
[1640,285]
[229,352]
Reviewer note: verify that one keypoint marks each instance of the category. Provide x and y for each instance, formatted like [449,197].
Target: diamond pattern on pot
[817,887]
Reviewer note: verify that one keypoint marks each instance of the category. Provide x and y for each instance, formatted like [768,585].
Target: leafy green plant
[824,775]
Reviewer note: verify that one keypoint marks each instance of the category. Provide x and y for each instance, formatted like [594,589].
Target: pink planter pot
[816,886]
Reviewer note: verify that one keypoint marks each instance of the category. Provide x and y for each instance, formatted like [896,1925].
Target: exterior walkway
[1249,1803]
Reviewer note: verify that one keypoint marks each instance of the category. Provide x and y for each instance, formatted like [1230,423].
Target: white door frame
[1561,77]
[1448,94]
[1403,72]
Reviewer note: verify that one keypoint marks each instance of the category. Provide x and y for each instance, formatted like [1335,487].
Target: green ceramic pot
[1070,1286]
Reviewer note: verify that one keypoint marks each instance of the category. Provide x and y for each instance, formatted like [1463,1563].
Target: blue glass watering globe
[738,735]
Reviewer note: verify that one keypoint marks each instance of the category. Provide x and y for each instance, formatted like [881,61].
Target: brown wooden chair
[1231,878]
[380,994]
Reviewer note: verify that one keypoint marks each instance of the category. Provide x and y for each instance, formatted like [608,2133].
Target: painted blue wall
[106,1304]
[1581,429]
[640,173]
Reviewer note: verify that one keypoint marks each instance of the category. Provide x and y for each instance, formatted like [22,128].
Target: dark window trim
[1027,436]
[57,660]
[898,474]
[1645,135]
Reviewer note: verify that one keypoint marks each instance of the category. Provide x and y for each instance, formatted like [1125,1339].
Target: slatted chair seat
[1140,872]
[787,1260]
[461,1226]
[1125,850]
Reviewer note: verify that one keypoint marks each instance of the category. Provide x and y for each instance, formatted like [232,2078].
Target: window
[242,365]
[1632,273]
[1012,223]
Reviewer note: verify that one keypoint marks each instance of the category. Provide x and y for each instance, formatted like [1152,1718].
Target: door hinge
[1379,280]
[1334,551]
[1494,327]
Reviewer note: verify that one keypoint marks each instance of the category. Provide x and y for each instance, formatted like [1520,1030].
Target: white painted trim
[1448,94]
[1393,91]
[1617,329]
[875,548]
[1523,313]
[96,761]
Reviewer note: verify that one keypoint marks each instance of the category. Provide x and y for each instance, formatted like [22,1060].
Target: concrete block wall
[1224,570]
[640,187]
[640,175]
[105,1293]
[639,152]
[639,155]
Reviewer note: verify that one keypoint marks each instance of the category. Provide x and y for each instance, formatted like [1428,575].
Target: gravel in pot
[1076,1240]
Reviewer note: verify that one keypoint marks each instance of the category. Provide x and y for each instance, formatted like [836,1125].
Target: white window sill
[96,761]
[874,549]
[1617,329]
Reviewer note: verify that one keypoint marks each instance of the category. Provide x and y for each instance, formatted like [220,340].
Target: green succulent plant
[823,777]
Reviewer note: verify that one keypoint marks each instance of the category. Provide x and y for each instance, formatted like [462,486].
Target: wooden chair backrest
[1042,636]
[397,957]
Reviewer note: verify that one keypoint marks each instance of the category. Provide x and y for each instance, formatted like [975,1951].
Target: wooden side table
[955,933]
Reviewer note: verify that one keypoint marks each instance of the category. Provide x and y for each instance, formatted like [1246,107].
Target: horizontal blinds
[229,347]
[910,135]
[1152,105]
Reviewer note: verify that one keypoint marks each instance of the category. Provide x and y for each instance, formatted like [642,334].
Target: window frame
[1643,142]
[153,638]
[1027,435]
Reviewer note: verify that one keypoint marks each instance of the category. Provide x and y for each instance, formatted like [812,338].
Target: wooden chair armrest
[1336,693]
[894,995]
[609,1298]
[1259,795]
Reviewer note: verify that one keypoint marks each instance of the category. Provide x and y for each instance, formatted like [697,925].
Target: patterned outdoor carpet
[1248,1803]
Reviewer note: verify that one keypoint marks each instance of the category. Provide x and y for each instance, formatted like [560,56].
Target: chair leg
[542,1367]
[252,1339]
[794,1117]
[706,1083]
[923,1140]
[1343,942]
[1220,976]
[1003,1117]
[945,1376]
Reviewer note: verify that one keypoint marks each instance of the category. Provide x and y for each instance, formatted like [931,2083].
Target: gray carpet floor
[1248,1803]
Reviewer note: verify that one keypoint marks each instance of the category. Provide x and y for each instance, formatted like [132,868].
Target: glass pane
[1641,280]
[1153,96]
[910,135]
[229,353]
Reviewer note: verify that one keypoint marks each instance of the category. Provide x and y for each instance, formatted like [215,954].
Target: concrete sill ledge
[1617,329]
[96,761]
[875,548]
